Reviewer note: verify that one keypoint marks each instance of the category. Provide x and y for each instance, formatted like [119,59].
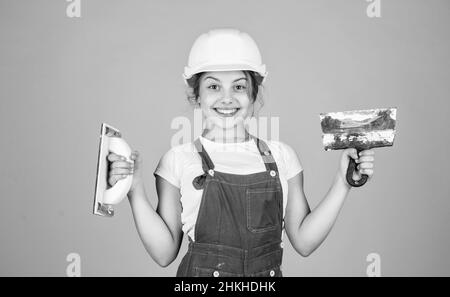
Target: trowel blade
[360,129]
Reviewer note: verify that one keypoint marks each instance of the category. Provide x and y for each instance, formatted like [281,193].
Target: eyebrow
[219,80]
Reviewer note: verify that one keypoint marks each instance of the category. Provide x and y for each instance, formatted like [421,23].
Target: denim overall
[239,223]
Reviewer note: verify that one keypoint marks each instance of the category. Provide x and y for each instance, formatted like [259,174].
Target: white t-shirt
[182,163]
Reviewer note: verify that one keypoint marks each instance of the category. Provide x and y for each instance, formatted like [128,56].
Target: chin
[228,123]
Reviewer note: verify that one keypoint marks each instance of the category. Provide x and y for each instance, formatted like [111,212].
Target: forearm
[153,231]
[315,227]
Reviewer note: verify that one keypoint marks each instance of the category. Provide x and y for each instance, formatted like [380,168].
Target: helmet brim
[188,73]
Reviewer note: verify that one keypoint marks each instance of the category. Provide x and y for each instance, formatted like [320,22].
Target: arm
[307,229]
[160,229]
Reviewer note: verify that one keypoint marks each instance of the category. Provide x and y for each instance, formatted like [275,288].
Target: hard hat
[224,50]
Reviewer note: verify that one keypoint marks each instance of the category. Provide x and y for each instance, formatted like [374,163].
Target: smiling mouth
[226,112]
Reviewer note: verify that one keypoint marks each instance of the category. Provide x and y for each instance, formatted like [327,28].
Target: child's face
[224,98]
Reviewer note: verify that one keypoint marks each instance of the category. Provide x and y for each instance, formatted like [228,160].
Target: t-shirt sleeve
[168,168]
[292,161]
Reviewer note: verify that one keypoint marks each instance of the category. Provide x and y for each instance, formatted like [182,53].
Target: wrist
[341,181]
[137,189]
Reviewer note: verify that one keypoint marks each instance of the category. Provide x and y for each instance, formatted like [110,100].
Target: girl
[231,192]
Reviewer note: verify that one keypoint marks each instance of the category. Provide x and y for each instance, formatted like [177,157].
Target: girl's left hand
[364,163]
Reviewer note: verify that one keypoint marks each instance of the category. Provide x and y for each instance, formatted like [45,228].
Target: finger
[134,155]
[357,175]
[122,164]
[115,178]
[112,180]
[114,157]
[367,153]
[369,172]
[120,171]
[366,165]
[366,159]
[353,153]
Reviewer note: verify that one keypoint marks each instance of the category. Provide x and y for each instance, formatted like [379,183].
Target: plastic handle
[119,191]
[352,168]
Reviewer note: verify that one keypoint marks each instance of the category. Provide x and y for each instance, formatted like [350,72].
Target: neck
[226,135]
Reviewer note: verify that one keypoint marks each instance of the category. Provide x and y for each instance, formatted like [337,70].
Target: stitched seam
[258,258]
[211,270]
[259,191]
[202,206]
[274,244]
[214,254]
[267,271]
[213,245]
[186,269]
[243,185]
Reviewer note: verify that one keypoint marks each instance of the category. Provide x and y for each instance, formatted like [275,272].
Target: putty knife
[360,129]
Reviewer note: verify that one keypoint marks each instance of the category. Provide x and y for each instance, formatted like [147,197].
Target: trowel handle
[116,193]
[352,168]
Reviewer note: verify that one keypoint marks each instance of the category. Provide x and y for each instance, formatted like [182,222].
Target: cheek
[207,101]
[245,102]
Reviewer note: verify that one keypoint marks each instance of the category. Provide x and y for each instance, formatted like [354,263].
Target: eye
[240,87]
[213,87]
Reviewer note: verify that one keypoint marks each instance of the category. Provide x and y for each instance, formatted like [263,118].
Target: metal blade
[361,129]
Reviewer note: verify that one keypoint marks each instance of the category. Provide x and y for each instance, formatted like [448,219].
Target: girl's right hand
[119,168]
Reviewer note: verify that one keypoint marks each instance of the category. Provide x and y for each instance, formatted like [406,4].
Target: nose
[226,98]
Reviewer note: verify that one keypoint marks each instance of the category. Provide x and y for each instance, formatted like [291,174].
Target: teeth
[227,111]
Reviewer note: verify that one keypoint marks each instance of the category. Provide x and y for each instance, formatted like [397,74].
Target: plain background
[121,63]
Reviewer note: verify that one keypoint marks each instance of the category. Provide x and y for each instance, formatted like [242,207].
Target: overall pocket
[263,209]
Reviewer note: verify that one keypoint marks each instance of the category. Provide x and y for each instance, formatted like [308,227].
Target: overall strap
[207,163]
[266,155]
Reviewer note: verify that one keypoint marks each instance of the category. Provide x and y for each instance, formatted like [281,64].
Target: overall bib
[239,223]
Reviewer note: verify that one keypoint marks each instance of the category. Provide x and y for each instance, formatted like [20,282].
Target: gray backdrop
[121,63]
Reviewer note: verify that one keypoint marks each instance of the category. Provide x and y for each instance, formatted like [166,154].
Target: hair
[253,90]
